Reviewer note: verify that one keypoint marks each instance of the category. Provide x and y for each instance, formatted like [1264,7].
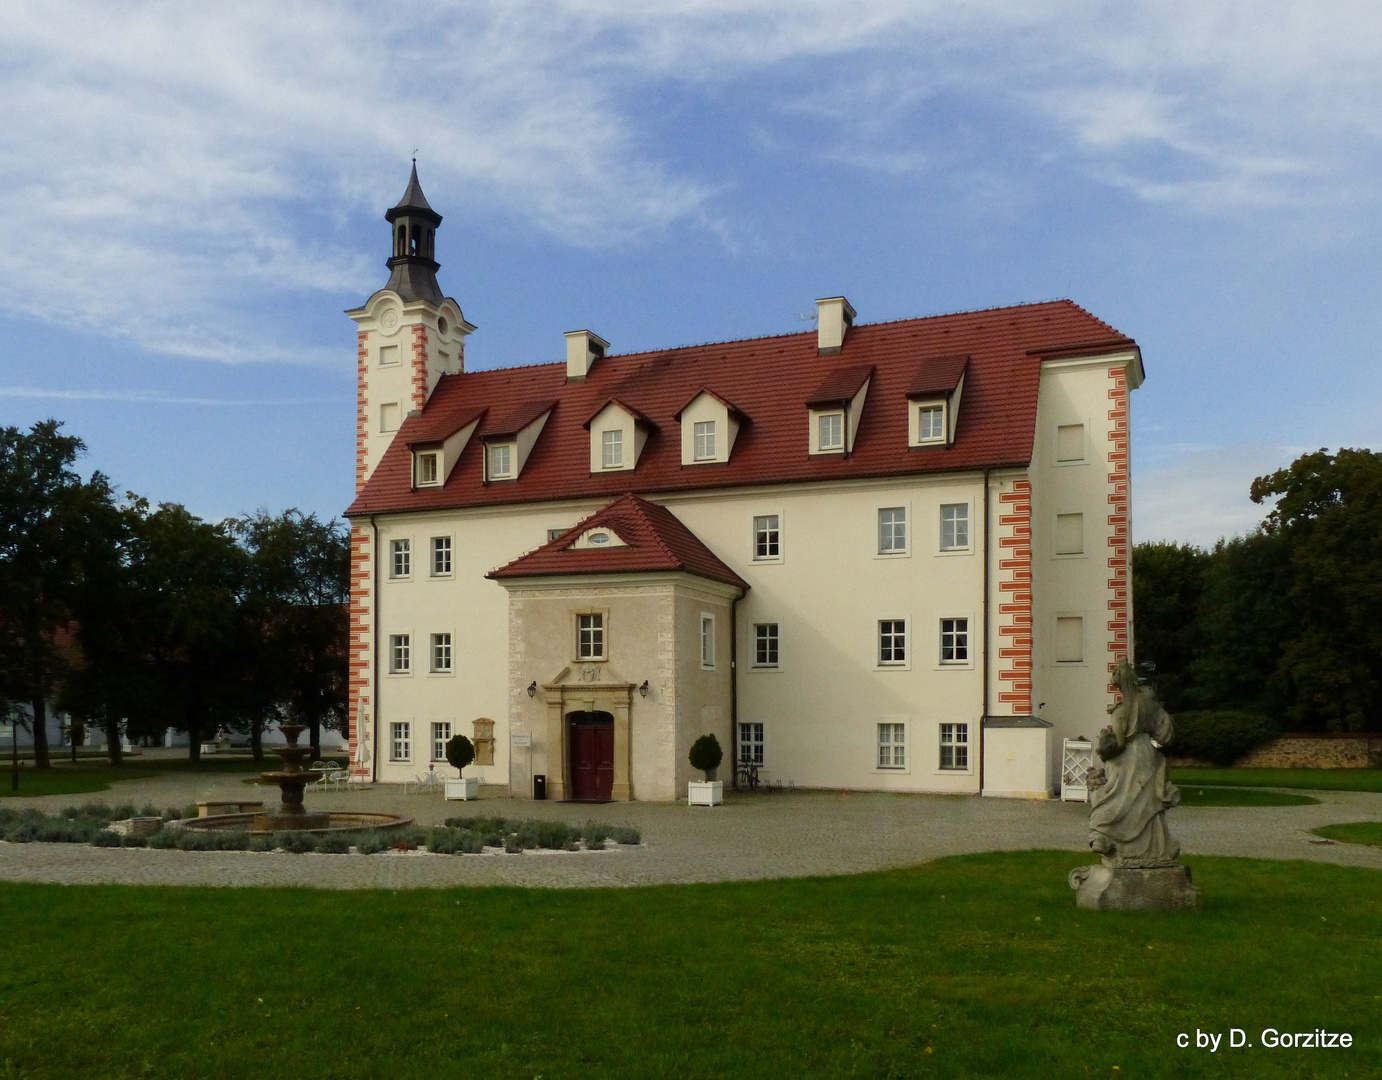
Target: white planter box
[705,792]
[466,787]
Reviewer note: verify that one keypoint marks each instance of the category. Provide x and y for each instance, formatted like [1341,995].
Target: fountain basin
[324,822]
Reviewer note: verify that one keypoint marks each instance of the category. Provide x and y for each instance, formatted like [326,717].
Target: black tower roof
[413,225]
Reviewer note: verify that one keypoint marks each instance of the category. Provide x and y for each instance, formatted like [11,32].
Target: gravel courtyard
[762,835]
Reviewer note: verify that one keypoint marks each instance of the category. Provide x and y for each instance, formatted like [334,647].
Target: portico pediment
[588,677]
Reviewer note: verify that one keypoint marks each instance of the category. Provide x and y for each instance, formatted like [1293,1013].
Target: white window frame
[402,545]
[434,653]
[970,644]
[753,537]
[703,446]
[440,545]
[1084,639]
[1056,460]
[428,461]
[401,740]
[905,663]
[441,735]
[968,548]
[895,727]
[598,629]
[400,657]
[776,638]
[510,460]
[1056,553]
[753,743]
[893,553]
[610,441]
[955,743]
[836,420]
[914,422]
[707,641]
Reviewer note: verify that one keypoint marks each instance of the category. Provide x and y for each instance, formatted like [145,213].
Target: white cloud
[157,158]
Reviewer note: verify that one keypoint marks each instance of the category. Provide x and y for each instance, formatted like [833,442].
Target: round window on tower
[441,325]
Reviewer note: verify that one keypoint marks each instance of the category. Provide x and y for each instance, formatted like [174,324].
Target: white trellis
[1077,758]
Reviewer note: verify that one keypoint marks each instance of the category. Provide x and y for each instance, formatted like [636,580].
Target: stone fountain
[292,815]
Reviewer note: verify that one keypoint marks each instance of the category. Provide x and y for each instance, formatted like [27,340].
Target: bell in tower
[413,263]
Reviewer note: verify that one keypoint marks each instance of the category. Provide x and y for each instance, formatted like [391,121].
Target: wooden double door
[590,742]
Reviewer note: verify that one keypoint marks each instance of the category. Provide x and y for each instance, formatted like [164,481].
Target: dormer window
[705,440]
[428,468]
[929,423]
[933,402]
[830,431]
[499,461]
[612,449]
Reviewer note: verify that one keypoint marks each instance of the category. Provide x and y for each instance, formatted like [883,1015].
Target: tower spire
[413,265]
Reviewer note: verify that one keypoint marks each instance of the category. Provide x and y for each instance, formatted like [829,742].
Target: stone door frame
[613,698]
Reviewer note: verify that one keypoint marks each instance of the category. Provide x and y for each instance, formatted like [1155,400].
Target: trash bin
[539,786]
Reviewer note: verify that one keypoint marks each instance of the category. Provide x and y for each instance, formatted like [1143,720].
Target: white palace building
[889,556]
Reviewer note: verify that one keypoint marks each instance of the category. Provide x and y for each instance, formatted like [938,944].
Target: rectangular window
[954,641]
[612,450]
[707,641]
[704,435]
[954,526]
[1070,442]
[590,637]
[892,530]
[441,556]
[767,537]
[441,653]
[388,354]
[830,428]
[401,564]
[892,746]
[400,741]
[1069,534]
[751,742]
[765,644]
[552,534]
[892,641]
[427,472]
[388,417]
[1070,639]
[931,423]
[501,461]
[400,654]
[954,746]
[441,735]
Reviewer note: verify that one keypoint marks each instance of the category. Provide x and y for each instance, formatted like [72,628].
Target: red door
[592,756]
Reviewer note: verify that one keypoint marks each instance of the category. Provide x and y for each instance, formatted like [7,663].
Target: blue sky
[190,195]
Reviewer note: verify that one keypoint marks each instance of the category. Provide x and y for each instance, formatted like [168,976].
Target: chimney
[582,350]
[834,315]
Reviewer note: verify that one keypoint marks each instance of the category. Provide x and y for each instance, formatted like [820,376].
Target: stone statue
[1129,798]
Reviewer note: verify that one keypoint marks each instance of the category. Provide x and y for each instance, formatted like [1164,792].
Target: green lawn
[1355,832]
[1310,779]
[1230,796]
[976,966]
[64,778]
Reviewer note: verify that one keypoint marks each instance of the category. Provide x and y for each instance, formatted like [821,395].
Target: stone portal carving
[1129,797]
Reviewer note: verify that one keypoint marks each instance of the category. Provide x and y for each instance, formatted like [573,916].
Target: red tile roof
[655,539]
[840,386]
[768,379]
[512,420]
[938,376]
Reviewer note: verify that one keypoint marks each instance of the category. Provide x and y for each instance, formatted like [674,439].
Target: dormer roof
[938,377]
[653,539]
[840,386]
[768,379]
[743,416]
[638,417]
[515,419]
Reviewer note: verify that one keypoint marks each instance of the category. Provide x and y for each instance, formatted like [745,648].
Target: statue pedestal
[1104,888]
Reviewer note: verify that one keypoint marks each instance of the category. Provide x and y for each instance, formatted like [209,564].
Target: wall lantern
[644,688]
[532,688]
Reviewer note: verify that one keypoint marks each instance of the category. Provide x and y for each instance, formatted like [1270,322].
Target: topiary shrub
[1221,736]
[706,755]
[460,752]
[553,834]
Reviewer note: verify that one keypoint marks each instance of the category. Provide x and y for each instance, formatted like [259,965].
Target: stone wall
[1310,751]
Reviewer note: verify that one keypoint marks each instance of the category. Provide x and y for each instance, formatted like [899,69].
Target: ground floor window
[954,746]
[892,746]
[441,735]
[400,741]
[751,742]
[765,644]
